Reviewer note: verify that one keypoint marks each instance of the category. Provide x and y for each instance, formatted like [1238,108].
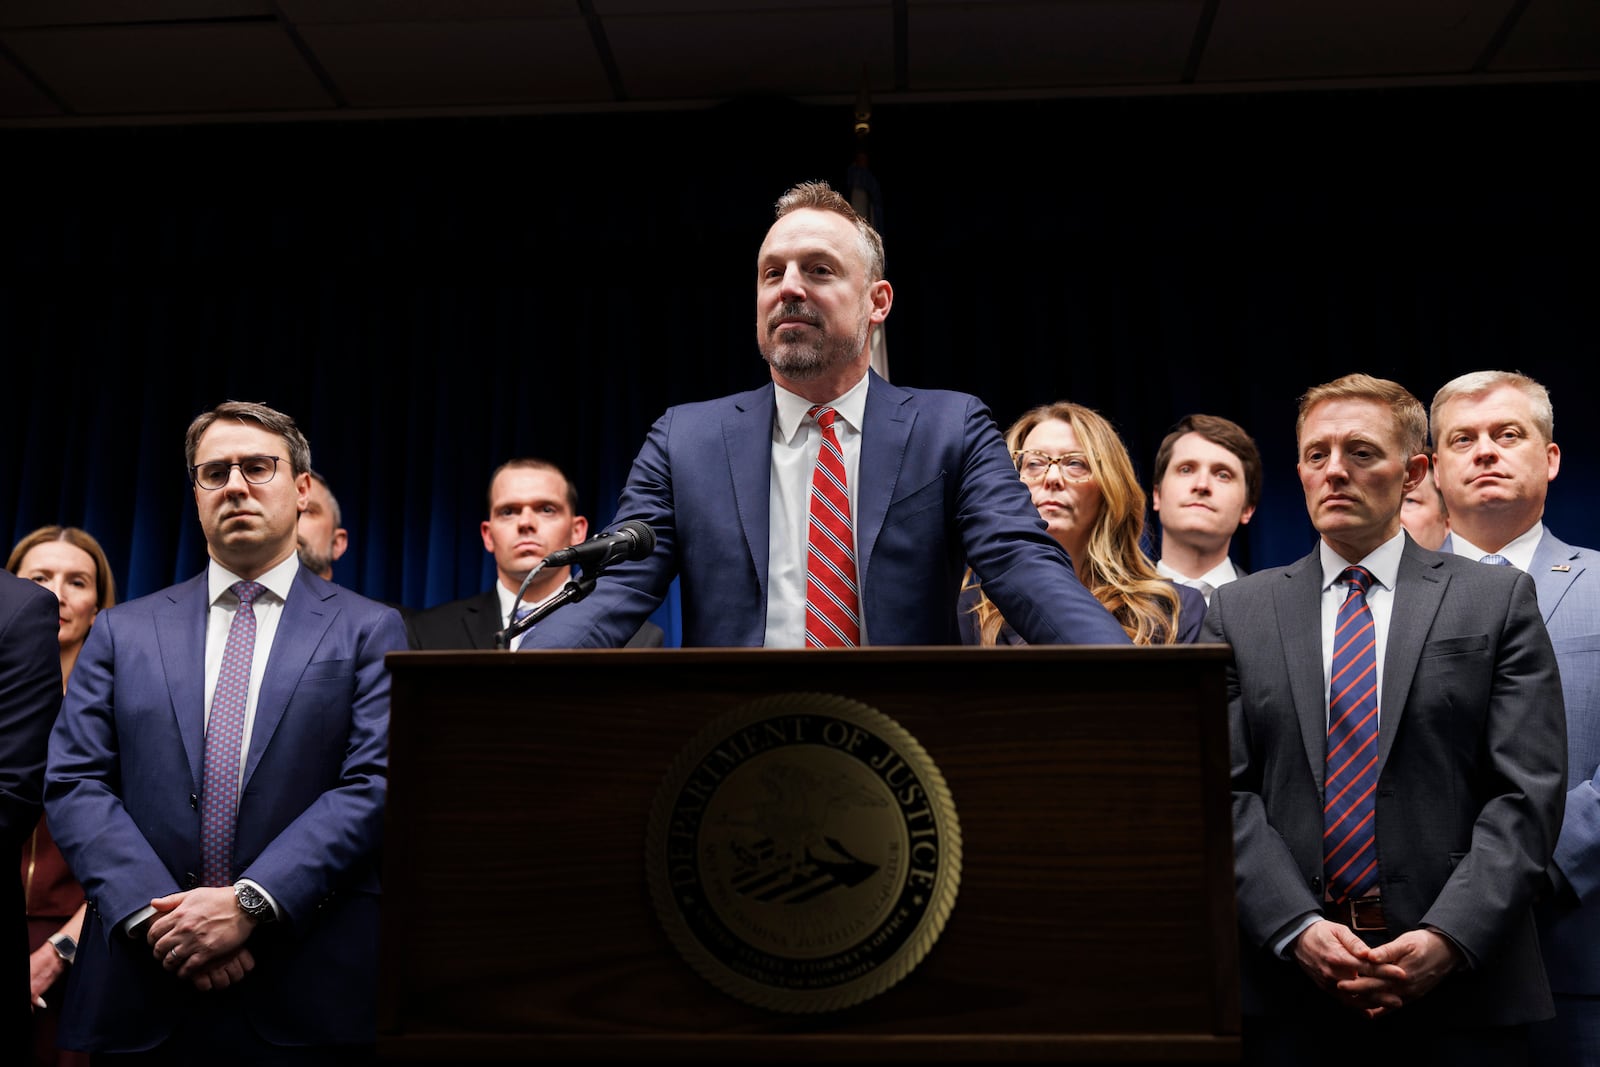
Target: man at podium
[829,508]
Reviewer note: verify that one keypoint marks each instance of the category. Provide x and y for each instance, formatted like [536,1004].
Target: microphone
[630,540]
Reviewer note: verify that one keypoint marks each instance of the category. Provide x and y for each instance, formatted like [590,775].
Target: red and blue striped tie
[1349,840]
[833,617]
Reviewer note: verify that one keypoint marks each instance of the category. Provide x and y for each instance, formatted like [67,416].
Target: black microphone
[631,540]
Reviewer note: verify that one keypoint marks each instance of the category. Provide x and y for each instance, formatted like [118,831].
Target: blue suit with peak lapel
[1471,764]
[124,775]
[936,491]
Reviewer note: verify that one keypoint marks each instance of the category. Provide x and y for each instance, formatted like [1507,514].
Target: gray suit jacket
[1568,580]
[1472,769]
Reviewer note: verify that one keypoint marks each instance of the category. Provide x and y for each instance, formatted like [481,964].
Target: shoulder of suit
[451,608]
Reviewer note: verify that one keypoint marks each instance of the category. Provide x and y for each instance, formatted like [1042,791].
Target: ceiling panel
[785,52]
[1552,35]
[1270,39]
[170,68]
[118,12]
[309,12]
[1037,45]
[19,96]
[501,61]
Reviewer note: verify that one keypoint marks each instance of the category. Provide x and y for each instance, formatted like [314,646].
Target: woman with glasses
[73,566]
[1084,487]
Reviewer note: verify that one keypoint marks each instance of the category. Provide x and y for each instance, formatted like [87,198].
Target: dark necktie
[833,617]
[219,791]
[1350,846]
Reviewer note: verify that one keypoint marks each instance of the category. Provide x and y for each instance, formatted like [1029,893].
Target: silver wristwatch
[66,948]
[253,902]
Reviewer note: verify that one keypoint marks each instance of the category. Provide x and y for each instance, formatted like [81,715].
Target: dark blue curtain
[431,297]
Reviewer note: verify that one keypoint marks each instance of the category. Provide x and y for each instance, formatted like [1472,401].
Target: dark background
[429,297]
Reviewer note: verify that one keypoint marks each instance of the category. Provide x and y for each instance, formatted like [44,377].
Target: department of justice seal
[803,852]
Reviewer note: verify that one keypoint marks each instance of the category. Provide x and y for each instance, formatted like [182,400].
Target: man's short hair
[333,501]
[268,419]
[532,463]
[1410,420]
[1479,382]
[820,196]
[1224,433]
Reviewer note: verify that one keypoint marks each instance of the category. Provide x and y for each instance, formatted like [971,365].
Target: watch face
[250,899]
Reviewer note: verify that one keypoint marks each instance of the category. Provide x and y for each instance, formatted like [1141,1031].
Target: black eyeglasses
[257,470]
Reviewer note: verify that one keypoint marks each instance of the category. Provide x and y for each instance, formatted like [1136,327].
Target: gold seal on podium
[803,852]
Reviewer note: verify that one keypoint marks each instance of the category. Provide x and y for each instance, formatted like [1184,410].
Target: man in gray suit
[1495,459]
[1399,760]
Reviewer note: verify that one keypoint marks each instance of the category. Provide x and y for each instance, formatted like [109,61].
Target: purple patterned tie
[1350,844]
[219,790]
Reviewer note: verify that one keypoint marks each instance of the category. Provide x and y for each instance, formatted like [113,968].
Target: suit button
[190,880]
[194,802]
[1316,884]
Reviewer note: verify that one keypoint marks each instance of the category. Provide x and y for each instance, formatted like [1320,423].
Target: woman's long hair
[1116,571]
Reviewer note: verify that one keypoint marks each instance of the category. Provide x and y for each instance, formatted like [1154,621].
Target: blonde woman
[73,566]
[1084,486]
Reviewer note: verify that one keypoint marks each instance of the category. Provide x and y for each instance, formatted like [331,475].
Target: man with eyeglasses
[216,781]
[830,508]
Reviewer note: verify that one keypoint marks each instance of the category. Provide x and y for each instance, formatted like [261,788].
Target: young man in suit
[829,507]
[1208,484]
[1495,459]
[533,511]
[217,779]
[1399,761]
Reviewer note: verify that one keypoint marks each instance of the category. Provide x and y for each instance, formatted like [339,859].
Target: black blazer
[473,621]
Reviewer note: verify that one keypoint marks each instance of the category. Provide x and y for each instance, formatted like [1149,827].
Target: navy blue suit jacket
[937,490]
[125,771]
[30,694]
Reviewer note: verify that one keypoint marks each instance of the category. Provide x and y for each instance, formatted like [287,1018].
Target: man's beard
[804,361]
[314,563]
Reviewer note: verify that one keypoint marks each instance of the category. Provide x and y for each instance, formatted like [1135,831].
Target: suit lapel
[1419,590]
[1299,610]
[747,437]
[885,431]
[181,641]
[1553,584]
[482,619]
[307,613]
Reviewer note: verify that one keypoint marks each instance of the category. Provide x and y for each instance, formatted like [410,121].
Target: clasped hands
[200,935]
[1374,980]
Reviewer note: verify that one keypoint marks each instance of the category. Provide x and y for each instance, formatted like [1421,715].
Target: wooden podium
[1095,918]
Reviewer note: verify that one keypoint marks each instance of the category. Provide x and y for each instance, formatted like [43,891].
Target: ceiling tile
[460,63]
[1033,45]
[124,12]
[19,97]
[1259,39]
[314,12]
[782,52]
[1553,35]
[183,68]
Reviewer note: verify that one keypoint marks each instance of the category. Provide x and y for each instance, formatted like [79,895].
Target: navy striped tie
[1349,840]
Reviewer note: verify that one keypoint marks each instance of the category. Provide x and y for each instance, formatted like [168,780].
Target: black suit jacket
[473,621]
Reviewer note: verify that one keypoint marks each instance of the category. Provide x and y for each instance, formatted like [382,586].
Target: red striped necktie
[1349,840]
[833,618]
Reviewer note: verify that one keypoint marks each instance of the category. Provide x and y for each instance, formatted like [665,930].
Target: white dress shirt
[1207,583]
[796,440]
[1519,553]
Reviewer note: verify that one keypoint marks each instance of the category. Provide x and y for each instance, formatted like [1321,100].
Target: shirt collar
[1221,574]
[279,580]
[793,408]
[1519,553]
[1383,562]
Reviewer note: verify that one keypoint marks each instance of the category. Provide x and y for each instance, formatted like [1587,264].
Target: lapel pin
[1561,568]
